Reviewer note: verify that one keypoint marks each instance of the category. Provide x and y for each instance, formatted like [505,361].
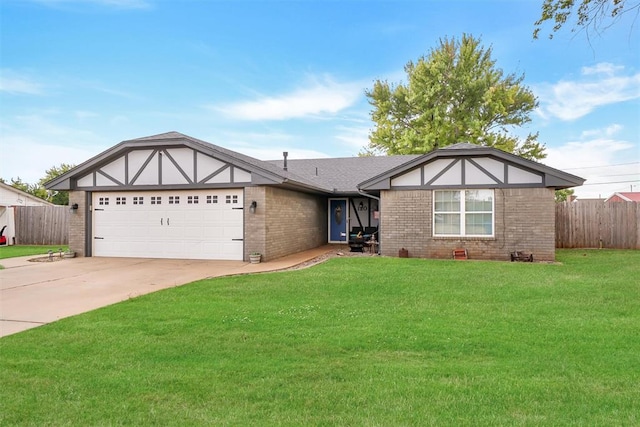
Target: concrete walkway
[37,293]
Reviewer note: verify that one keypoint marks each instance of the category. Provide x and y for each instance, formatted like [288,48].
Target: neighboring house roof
[11,196]
[626,196]
[553,178]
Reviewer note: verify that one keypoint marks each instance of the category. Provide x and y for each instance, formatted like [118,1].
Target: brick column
[78,223]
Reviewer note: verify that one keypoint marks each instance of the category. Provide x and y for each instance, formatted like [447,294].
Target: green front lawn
[355,341]
[24,250]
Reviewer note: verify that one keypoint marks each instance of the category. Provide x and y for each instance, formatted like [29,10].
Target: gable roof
[553,178]
[262,172]
[628,196]
[20,193]
[346,175]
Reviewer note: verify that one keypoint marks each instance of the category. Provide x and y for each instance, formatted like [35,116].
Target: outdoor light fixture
[252,207]
[74,207]
[361,206]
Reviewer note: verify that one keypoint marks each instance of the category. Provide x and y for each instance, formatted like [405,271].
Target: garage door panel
[196,233]
[232,232]
[180,224]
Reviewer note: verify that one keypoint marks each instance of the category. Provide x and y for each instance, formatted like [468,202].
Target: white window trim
[463,213]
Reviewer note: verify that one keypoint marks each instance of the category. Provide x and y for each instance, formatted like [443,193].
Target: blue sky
[262,77]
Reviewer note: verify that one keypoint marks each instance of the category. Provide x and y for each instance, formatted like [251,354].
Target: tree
[56,197]
[20,185]
[564,195]
[455,94]
[32,189]
[38,190]
[596,15]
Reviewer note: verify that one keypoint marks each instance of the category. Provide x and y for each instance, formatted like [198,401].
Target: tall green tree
[56,197]
[454,94]
[590,15]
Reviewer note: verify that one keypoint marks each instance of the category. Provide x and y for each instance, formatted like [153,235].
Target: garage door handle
[161,221]
[167,221]
[99,238]
[237,240]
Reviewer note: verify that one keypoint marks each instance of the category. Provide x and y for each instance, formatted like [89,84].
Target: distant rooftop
[629,196]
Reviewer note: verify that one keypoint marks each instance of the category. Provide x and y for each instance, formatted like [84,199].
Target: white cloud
[608,131]
[354,137]
[586,154]
[320,97]
[599,85]
[29,159]
[275,153]
[607,164]
[264,145]
[12,83]
[602,68]
[33,143]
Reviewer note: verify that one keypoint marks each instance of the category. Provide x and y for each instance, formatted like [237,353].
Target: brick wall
[285,222]
[78,223]
[524,220]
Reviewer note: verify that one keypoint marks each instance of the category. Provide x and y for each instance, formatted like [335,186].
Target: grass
[24,250]
[353,341]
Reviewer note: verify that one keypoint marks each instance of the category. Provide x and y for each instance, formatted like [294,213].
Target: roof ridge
[463,145]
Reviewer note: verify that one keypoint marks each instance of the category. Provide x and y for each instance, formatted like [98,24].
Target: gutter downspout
[362,193]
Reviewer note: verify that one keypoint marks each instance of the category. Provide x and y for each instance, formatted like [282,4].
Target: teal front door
[338,220]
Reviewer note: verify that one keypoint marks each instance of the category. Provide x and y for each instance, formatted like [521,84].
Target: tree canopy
[56,197]
[564,195]
[455,94]
[595,15]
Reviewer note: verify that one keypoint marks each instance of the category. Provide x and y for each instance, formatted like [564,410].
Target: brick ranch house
[173,196]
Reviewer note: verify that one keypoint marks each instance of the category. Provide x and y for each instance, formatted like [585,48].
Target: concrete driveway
[36,293]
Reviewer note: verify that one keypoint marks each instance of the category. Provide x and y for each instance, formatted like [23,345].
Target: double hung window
[463,213]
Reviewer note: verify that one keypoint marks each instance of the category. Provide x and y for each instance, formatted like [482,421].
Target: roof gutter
[371,196]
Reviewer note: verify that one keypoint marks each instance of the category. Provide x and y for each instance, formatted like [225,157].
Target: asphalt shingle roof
[341,175]
[326,175]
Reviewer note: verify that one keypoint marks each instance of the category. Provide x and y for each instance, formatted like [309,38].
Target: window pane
[478,224]
[447,201]
[478,200]
[447,224]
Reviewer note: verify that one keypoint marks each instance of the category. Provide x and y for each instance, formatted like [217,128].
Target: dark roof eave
[289,183]
[555,177]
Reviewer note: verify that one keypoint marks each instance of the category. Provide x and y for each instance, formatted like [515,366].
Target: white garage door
[201,224]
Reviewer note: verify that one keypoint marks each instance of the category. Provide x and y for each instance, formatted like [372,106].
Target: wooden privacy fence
[42,225]
[595,224]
